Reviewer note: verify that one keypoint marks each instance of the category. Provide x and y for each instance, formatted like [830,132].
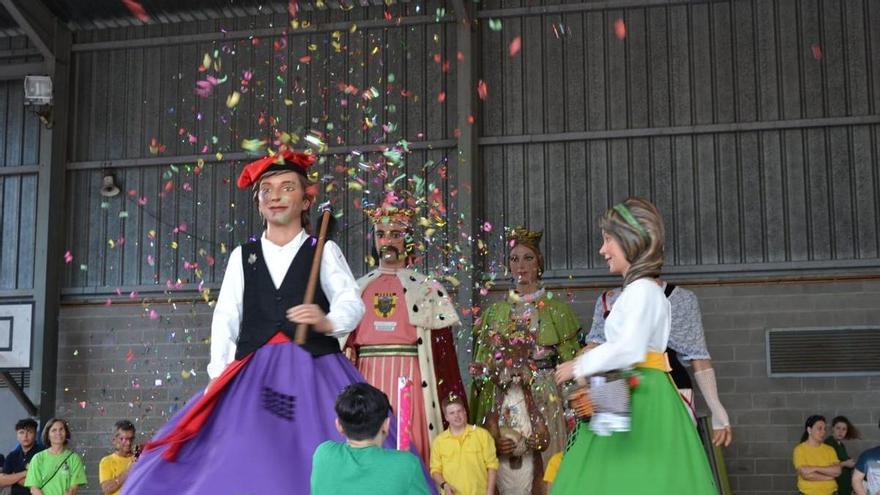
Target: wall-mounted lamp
[38,93]
[108,186]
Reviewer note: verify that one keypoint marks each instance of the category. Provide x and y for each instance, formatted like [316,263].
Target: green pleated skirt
[662,453]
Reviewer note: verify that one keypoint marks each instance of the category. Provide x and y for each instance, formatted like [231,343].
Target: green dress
[844,481]
[661,454]
[553,333]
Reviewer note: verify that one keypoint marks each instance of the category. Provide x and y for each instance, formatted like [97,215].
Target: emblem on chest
[384,304]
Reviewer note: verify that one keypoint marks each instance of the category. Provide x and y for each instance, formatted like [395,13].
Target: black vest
[265,307]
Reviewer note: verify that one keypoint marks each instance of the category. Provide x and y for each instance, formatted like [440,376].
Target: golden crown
[389,214]
[522,235]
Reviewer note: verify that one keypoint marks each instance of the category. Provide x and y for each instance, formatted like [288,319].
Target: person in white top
[270,402]
[660,451]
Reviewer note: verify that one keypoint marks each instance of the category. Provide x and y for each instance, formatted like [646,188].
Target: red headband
[281,161]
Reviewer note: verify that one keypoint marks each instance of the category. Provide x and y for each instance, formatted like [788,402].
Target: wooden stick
[302,328]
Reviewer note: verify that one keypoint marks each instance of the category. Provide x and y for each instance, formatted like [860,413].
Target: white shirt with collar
[639,322]
[337,282]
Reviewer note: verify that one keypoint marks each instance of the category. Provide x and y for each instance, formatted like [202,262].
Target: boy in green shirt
[361,465]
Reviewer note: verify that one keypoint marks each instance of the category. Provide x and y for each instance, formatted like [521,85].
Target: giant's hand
[310,314]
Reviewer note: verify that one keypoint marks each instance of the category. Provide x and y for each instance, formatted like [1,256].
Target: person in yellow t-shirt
[816,463]
[113,469]
[463,460]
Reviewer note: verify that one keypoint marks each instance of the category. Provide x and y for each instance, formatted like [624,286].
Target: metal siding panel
[572,73]
[494,57]
[494,171]
[685,204]
[535,188]
[518,204]
[618,169]
[117,105]
[111,263]
[728,199]
[812,68]
[637,70]
[135,97]
[641,167]
[5,89]
[554,103]
[767,61]
[533,80]
[795,196]
[78,220]
[791,54]
[708,250]
[659,68]
[449,114]
[745,63]
[866,195]
[701,64]
[27,234]
[723,55]
[841,193]
[616,75]
[858,77]
[414,82]
[97,240]
[556,193]
[11,232]
[752,229]
[184,120]
[132,228]
[662,189]
[98,130]
[834,59]
[599,192]
[873,23]
[597,107]
[580,223]
[820,229]
[150,254]
[222,179]
[14,126]
[394,64]
[775,211]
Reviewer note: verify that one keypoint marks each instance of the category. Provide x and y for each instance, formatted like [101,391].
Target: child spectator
[361,465]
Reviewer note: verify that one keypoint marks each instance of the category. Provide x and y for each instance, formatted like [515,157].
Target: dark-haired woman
[56,470]
[658,451]
[816,463]
[842,429]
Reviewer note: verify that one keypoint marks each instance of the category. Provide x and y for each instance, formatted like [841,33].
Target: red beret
[283,160]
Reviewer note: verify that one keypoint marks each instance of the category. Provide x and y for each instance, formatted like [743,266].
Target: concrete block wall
[117,362]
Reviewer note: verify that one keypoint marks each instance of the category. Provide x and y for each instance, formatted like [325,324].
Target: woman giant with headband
[658,451]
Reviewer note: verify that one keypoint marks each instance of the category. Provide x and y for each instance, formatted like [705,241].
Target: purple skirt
[261,436]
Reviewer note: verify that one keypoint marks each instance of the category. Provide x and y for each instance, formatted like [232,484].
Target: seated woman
[519,342]
[659,451]
[816,463]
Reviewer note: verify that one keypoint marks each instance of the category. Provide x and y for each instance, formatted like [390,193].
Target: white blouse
[639,322]
[337,282]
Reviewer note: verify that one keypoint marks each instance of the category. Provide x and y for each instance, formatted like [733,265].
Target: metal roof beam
[18,71]
[37,21]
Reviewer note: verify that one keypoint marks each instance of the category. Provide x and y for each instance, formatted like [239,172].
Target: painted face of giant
[282,198]
[523,264]
[613,253]
[391,243]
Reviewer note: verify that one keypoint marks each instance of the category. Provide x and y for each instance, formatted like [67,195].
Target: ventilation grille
[22,378]
[823,351]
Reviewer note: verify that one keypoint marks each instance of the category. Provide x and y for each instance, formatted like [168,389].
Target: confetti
[816,49]
[136,10]
[619,29]
[515,46]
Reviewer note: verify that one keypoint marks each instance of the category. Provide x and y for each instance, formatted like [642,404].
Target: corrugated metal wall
[19,157]
[173,212]
[754,125]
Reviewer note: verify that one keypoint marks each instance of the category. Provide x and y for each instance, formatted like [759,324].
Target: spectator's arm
[858,482]
[833,471]
[12,479]
[493,474]
[36,491]
[113,484]
[72,490]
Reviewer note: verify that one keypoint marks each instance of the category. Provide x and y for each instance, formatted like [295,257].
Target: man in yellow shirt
[463,459]
[113,469]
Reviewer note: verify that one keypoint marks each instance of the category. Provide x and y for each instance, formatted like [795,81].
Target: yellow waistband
[657,361]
